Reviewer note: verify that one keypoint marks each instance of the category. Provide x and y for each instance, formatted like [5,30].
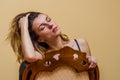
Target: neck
[56,43]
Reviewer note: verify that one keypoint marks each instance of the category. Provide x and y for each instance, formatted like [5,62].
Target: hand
[23,22]
[92,61]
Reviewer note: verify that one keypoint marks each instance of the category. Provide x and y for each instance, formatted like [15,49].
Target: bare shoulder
[83,43]
[80,41]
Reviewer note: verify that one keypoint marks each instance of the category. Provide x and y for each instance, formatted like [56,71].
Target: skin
[49,32]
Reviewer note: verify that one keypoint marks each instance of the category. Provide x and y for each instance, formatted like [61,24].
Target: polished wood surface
[73,61]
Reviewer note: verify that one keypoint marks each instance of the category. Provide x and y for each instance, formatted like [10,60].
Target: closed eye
[42,27]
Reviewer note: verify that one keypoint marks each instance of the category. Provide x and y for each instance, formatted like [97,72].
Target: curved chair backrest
[66,56]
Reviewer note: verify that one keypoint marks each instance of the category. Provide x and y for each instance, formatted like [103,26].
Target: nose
[50,26]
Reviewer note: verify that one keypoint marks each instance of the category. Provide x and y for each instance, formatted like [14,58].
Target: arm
[29,53]
[85,48]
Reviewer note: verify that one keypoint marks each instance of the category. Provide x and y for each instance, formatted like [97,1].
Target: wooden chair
[63,64]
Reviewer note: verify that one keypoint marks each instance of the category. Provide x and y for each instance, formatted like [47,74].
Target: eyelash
[43,26]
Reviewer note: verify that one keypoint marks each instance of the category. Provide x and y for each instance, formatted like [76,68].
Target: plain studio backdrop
[98,21]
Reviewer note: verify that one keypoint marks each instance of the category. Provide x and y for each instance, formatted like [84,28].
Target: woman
[32,34]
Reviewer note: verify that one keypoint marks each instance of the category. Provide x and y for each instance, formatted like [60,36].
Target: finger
[27,15]
[89,58]
[92,65]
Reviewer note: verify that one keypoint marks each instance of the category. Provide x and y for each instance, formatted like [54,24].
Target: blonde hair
[14,36]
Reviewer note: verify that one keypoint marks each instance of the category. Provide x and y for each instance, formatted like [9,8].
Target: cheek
[45,33]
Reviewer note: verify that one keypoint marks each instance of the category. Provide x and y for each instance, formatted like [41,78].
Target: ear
[40,39]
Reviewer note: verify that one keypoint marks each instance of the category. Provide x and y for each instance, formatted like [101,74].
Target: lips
[54,29]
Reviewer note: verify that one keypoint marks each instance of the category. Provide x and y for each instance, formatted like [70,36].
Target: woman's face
[45,28]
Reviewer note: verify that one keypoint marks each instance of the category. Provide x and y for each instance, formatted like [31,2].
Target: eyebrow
[46,17]
[42,23]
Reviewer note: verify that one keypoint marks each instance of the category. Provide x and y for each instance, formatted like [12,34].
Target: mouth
[55,29]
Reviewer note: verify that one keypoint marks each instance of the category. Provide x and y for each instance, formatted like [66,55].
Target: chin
[58,33]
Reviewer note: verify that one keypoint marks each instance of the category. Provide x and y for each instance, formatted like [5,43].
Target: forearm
[28,50]
[84,46]
[27,46]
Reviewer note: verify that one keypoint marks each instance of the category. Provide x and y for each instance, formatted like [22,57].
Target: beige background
[98,21]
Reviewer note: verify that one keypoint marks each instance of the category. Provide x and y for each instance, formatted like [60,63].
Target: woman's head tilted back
[39,26]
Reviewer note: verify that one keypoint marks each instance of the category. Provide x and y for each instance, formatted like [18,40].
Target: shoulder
[83,43]
[80,41]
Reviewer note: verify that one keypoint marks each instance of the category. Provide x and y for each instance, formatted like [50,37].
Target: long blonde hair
[14,36]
